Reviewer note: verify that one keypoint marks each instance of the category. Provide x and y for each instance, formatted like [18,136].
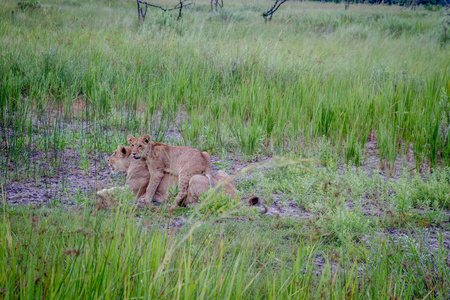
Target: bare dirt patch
[65,186]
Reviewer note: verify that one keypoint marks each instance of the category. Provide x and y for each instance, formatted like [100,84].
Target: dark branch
[180,10]
[274,8]
[216,3]
[143,13]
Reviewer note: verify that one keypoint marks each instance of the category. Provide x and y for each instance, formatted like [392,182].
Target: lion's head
[139,146]
[120,159]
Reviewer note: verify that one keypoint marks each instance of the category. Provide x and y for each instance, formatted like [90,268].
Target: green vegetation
[339,89]
[361,237]
[124,253]
[242,84]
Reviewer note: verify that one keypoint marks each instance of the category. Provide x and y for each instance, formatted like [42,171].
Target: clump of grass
[28,5]
[346,226]
[432,192]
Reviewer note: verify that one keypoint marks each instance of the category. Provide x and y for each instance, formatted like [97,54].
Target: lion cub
[200,184]
[180,161]
[137,174]
[138,177]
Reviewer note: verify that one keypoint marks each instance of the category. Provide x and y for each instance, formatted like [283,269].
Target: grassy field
[315,71]
[363,244]
[363,93]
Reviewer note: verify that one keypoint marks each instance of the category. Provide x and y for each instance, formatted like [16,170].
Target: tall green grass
[115,253]
[239,83]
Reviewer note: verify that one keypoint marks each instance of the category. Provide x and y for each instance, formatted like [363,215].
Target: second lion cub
[180,161]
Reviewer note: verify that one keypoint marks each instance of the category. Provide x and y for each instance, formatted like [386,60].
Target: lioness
[138,177]
[180,161]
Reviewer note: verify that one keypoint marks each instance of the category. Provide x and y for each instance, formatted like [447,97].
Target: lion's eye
[132,145]
[140,146]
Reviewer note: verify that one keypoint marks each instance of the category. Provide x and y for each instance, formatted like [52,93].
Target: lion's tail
[208,173]
[255,201]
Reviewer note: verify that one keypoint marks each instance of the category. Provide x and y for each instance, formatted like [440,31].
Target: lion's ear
[123,150]
[130,139]
[147,139]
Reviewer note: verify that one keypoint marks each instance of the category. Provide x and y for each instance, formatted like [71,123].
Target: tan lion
[137,174]
[199,184]
[181,161]
[138,178]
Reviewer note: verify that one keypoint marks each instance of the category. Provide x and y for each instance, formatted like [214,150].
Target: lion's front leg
[155,179]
